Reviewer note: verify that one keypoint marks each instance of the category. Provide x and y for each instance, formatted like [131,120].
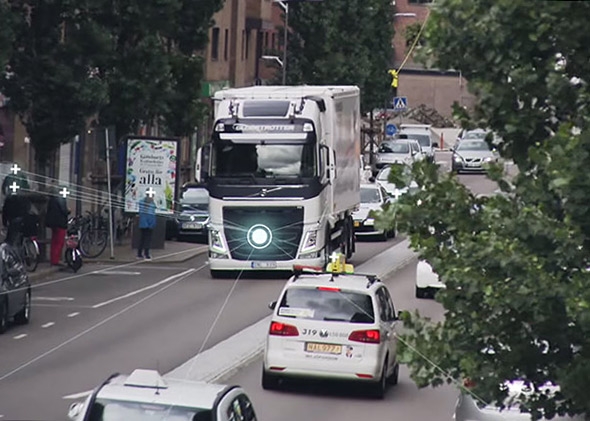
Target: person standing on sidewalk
[147,223]
[57,219]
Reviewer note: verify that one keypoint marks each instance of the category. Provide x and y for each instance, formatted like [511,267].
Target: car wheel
[421,292]
[3,316]
[378,389]
[394,378]
[24,316]
[269,381]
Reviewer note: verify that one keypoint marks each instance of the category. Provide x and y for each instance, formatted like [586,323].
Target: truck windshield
[264,160]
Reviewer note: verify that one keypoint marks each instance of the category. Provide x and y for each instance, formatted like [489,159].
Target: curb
[223,360]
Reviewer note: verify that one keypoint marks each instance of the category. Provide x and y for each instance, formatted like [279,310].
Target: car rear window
[317,304]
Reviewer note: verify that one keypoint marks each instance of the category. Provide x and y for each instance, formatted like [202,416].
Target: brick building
[434,88]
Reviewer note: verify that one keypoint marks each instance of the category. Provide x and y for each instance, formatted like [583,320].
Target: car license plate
[264,265]
[192,225]
[323,348]
[474,164]
[357,224]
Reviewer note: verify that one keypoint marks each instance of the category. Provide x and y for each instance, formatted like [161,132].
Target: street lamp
[285,6]
[275,58]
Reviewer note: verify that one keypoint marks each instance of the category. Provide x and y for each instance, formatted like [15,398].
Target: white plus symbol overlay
[151,192]
[14,187]
[64,192]
[15,169]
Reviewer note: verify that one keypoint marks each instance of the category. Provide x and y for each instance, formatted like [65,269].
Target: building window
[266,40]
[215,44]
[226,45]
[247,44]
[274,41]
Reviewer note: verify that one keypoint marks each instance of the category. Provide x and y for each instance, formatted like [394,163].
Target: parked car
[392,190]
[146,395]
[471,155]
[191,217]
[373,197]
[468,408]
[15,289]
[333,326]
[402,151]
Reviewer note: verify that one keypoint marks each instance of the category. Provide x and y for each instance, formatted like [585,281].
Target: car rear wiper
[334,319]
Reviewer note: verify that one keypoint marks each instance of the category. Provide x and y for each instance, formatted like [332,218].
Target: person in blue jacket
[147,223]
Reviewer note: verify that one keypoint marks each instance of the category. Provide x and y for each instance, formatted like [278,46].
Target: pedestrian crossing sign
[400,103]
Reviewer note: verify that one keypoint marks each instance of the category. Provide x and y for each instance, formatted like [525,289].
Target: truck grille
[286,224]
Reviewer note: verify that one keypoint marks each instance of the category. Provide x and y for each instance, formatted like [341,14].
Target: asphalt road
[329,401]
[136,316]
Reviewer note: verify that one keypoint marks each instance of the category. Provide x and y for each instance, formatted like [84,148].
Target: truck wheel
[349,239]
[327,248]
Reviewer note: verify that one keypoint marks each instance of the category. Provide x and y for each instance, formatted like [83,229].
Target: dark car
[191,218]
[15,289]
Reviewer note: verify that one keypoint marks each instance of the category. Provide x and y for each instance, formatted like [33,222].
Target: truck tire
[349,238]
[327,248]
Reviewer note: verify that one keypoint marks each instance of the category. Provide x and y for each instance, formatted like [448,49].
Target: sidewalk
[173,252]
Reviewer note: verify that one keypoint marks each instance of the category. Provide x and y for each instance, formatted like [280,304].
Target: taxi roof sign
[338,264]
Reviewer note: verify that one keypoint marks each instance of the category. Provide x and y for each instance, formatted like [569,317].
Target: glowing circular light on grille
[259,236]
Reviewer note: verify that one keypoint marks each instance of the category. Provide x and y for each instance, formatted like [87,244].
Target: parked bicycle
[72,254]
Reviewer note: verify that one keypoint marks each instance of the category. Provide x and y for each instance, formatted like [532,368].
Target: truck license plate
[264,265]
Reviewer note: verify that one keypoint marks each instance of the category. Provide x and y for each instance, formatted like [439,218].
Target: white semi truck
[283,173]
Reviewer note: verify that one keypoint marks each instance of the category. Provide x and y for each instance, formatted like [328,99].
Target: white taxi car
[336,326]
[145,395]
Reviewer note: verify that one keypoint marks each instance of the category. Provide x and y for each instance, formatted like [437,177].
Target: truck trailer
[283,173]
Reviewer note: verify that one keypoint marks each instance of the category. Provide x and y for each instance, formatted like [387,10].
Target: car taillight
[372,336]
[468,383]
[283,329]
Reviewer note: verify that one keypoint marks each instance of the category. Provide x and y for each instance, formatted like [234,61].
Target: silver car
[467,409]
[471,155]
[403,151]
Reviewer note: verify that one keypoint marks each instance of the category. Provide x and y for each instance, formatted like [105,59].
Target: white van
[423,134]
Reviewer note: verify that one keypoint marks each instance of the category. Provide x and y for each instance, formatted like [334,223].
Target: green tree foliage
[343,42]
[6,34]
[152,70]
[515,264]
[49,78]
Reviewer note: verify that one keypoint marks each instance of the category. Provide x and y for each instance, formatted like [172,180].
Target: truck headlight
[310,240]
[216,242]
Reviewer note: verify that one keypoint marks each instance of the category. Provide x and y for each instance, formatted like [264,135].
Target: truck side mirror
[202,163]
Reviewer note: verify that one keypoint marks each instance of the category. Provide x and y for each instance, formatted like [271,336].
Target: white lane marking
[22,335]
[34,298]
[73,314]
[115,272]
[46,325]
[139,291]
[78,395]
